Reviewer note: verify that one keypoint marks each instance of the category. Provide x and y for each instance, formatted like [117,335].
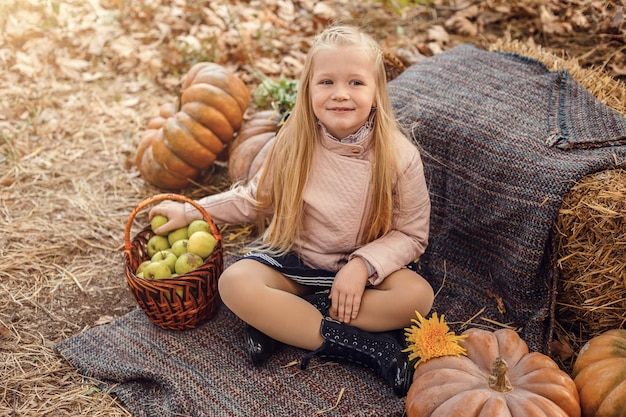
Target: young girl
[348,208]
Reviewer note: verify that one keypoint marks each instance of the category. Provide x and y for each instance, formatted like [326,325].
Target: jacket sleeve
[231,206]
[408,238]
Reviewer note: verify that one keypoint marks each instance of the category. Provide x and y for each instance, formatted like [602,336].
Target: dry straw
[591,237]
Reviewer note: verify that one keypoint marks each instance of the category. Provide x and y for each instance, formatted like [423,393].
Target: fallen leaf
[438,33]
[286,11]
[550,24]
[579,20]
[324,11]
[461,25]
[131,102]
[190,42]
[268,66]
[5,333]
[28,65]
[469,13]
[561,348]
[211,19]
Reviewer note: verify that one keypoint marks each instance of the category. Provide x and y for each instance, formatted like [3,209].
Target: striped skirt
[292,267]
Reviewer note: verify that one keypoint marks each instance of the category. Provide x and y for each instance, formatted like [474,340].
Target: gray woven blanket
[503,140]
[205,373]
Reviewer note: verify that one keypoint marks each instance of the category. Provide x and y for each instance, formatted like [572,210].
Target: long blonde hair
[287,166]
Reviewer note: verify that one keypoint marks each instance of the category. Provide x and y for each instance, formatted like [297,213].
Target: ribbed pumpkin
[250,147]
[600,375]
[498,377]
[183,141]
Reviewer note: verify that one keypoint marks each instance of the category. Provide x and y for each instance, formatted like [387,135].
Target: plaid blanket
[503,140]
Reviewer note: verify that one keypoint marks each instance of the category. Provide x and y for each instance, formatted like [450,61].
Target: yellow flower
[432,338]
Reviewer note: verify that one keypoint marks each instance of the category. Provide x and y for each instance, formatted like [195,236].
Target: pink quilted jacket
[336,201]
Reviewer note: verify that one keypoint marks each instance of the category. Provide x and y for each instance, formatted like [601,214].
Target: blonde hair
[288,163]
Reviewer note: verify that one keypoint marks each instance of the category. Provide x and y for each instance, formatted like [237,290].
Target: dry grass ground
[80,79]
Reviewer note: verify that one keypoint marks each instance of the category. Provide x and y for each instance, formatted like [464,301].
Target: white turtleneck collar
[363,132]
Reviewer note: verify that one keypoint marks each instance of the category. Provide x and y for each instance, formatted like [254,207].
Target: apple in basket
[156,244]
[166,256]
[158,221]
[177,234]
[201,243]
[141,267]
[157,270]
[198,226]
[187,262]
[179,247]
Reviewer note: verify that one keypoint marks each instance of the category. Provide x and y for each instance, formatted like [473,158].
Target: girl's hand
[347,290]
[175,213]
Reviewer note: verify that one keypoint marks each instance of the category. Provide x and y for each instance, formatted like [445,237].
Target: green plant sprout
[279,95]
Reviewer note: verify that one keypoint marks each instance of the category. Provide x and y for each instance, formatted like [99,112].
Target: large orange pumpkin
[498,377]
[183,141]
[600,375]
[247,152]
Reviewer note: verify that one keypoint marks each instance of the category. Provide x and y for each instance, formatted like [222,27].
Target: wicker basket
[160,298]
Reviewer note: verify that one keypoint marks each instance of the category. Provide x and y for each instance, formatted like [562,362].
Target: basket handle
[161,197]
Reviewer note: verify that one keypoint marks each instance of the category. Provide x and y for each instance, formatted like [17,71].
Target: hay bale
[591,242]
[590,231]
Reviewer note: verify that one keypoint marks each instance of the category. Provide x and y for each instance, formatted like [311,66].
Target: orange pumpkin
[181,142]
[251,145]
[498,377]
[600,375]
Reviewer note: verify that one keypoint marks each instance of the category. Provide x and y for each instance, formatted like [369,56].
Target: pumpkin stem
[179,101]
[499,379]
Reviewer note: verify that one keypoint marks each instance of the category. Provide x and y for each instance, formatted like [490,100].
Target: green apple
[197,226]
[187,262]
[157,270]
[140,275]
[158,221]
[177,234]
[157,243]
[179,247]
[166,256]
[201,243]
[141,267]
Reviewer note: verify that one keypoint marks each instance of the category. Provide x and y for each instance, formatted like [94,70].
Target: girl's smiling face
[343,89]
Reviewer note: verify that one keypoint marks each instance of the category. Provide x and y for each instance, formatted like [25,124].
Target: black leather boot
[380,352]
[259,345]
